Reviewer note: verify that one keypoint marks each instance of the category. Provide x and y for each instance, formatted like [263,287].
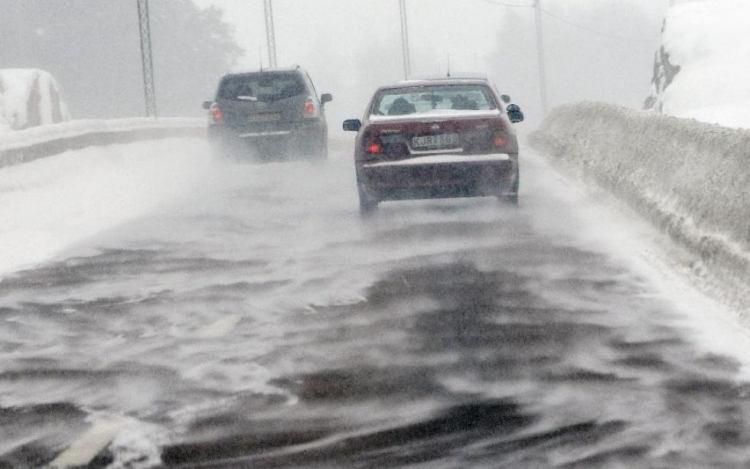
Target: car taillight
[216,113]
[310,109]
[373,146]
[500,139]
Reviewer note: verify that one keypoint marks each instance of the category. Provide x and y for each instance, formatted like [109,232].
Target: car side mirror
[326,98]
[352,125]
[207,105]
[514,113]
[505,98]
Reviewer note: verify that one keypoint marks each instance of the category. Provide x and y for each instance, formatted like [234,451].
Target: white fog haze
[92,49]
[222,277]
[594,49]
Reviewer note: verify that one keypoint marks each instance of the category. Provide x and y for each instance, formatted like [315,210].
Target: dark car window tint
[434,99]
[265,87]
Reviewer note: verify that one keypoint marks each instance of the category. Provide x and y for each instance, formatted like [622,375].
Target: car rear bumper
[439,176]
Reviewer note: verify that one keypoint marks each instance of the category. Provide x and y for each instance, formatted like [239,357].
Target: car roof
[435,82]
[459,75]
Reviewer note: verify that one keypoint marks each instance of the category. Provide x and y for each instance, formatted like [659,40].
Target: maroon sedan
[448,137]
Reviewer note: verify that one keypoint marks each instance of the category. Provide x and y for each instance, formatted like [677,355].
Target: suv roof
[267,70]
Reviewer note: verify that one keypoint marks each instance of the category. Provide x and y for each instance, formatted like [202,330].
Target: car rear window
[266,87]
[433,99]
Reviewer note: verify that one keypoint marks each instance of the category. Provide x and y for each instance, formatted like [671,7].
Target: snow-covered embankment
[39,142]
[691,179]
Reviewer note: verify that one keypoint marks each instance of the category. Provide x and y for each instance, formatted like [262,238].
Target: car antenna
[449,65]
[260,57]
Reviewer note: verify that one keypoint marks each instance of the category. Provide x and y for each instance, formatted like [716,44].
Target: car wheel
[511,197]
[367,204]
[217,152]
[220,151]
[320,152]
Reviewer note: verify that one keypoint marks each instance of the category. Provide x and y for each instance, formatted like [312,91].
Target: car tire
[219,150]
[367,205]
[511,197]
[320,152]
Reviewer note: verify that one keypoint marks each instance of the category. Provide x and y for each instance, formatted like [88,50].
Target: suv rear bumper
[280,130]
[286,139]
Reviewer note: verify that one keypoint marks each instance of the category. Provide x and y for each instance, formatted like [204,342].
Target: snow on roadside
[708,41]
[103,187]
[604,221]
[687,178]
[36,135]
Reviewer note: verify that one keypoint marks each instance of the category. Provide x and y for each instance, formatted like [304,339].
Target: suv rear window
[265,87]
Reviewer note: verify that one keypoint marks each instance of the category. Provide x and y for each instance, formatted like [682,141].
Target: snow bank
[29,98]
[689,178]
[37,142]
[703,69]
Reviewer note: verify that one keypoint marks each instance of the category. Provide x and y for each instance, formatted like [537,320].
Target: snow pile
[689,178]
[703,69]
[29,98]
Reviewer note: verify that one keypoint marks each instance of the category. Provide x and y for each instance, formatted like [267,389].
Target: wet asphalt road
[262,323]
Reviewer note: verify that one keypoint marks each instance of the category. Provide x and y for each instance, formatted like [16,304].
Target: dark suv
[268,115]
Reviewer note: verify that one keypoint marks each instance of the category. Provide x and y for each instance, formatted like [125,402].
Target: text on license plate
[263,117]
[435,141]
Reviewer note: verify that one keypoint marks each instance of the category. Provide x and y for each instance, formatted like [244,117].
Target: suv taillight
[310,109]
[216,114]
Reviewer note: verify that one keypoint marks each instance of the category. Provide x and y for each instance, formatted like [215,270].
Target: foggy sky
[595,49]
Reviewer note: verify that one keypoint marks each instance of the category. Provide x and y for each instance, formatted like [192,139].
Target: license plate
[263,117]
[435,141]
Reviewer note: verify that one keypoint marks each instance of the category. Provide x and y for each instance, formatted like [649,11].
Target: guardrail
[22,146]
[689,178]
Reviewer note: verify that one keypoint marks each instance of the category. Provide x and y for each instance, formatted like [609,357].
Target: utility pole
[270,34]
[146,58]
[540,55]
[405,40]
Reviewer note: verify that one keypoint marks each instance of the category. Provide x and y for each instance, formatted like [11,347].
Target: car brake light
[216,113]
[500,139]
[310,110]
[373,146]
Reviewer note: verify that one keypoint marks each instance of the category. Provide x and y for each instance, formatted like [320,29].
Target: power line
[589,30]
[568,22]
